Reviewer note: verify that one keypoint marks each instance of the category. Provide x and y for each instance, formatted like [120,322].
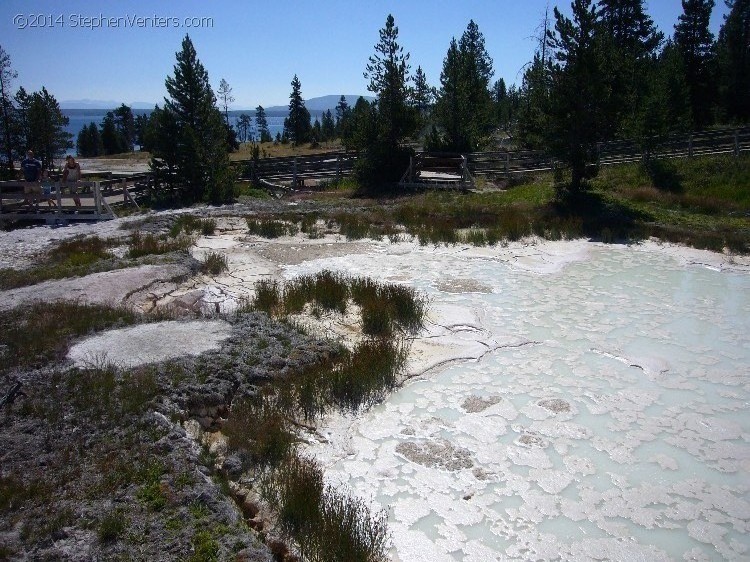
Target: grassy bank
[702,202]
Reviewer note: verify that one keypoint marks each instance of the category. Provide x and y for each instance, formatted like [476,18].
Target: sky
[123,51]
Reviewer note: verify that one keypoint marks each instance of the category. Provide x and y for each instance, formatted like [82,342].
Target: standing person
[71,175]
[32,174]
[32,168]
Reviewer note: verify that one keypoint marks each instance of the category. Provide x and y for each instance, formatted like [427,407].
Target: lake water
[613,423]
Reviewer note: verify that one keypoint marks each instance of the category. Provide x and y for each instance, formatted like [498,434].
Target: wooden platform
[46,202]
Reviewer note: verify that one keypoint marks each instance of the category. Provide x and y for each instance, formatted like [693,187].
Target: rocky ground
[104,458]
[102,461]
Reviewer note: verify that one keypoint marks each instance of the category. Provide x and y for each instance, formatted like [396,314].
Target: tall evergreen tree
[7,111]
[125,124]
[579,90]
[327,127]
[388,74]
[112,140]
[89,141]
[451,110]
[733,51]
[190,150]
[534,108]
[695,42]
[225,98]
[343,112]
[297,125]
[422,94]
[261,124]
[243,124]
[631,42]
[139,124]
[665,106]
[385,159]
[362,128]
[534,95]
[45,122]
[464,105]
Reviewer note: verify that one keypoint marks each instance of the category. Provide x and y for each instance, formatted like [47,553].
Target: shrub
[258,428]
[149,244]
[267,296]
[214,263]
[112,525]
[270,228]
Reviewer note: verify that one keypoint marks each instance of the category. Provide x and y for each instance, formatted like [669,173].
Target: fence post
[690,146]
[598,154]
[294,174]
[736,142]
[59,196]
[507,164]
[338,168]
[124,185]
[411,169]
[98,199]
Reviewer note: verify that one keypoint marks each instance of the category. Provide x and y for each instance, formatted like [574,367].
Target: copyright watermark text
[100,21]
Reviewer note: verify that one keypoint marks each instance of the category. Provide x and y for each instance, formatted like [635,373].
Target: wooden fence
[428,170]
[53,202]
[301,171]
[297,171]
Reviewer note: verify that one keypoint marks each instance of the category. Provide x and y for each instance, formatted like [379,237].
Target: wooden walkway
[47,202]
[458,171]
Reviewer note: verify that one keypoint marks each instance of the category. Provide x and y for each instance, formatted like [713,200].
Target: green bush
[112,525]
[214,263]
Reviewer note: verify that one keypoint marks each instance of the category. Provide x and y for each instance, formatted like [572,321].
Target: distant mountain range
[321,103]
[102,104]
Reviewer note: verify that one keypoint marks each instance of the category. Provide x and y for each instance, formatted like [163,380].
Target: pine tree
[464,106]
[7,111]
[139,124]
[534,109]
[388,75]
[328,127]
[451,110]
[421,93]
[226,98]
[385,159]
[343,112]
[45,122]
[733,51]
[665,107]
[533,98]
[261,124]
[579,90]
[362,128]
[113,141]
[243,124]
[695,42]
[631,42]
[316,133]
[89,142]
[297,124]
[125,124]
[190,150]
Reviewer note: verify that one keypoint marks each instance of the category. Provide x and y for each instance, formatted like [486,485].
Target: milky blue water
[620,431]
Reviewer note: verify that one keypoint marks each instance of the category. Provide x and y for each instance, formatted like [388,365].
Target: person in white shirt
[71,176]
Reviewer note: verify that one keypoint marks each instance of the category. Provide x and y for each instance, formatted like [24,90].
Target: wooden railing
[294,171]
[53,201]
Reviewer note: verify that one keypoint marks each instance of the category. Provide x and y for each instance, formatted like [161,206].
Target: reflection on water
[622,433]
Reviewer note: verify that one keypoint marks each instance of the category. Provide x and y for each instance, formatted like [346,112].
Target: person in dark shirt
[32,168]
[32,174]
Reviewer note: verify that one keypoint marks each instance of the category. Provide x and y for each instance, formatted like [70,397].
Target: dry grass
[274,150]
